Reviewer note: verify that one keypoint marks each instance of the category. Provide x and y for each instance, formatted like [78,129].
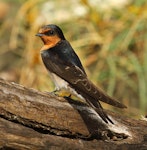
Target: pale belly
[62,84]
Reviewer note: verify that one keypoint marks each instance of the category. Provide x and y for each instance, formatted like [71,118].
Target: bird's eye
[50,32]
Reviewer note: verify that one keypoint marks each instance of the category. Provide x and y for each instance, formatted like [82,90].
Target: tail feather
[104,116]
[99,110]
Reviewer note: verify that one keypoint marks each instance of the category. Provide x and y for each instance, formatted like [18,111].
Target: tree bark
[33,120]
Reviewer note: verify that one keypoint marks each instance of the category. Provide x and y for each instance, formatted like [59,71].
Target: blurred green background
[110,37]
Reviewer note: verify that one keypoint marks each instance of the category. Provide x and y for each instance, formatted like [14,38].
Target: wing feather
[78,80]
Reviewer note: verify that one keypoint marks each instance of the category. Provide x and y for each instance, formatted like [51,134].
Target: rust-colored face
[49,37]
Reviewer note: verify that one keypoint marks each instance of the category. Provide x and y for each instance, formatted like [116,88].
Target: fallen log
[30,119]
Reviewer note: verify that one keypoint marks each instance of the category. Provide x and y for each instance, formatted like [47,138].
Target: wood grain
[30,119]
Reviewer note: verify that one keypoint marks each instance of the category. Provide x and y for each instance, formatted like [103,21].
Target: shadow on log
[30,119]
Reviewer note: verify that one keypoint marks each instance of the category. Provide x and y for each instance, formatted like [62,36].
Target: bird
[67,71]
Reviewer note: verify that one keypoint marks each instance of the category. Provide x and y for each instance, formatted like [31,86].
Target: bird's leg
[62,93]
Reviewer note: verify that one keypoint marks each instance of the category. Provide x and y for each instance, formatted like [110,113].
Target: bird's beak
[39,34]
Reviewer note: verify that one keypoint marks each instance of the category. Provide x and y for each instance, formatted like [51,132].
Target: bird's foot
[65,94]
[62,93]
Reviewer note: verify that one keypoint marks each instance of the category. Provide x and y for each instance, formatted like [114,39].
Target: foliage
[112,44]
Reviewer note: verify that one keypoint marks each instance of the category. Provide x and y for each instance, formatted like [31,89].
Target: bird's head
[50,35]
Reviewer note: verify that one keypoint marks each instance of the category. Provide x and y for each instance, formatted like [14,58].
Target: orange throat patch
[49,41]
